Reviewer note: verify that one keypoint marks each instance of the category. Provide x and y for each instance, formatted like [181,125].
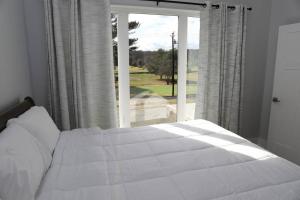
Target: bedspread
[195,160]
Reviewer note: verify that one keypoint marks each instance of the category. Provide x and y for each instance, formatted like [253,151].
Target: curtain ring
[233,7]
[157,2]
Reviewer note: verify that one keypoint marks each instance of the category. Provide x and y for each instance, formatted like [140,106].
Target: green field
[145,83]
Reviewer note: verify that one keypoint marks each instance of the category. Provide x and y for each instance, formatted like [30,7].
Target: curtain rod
[189,3]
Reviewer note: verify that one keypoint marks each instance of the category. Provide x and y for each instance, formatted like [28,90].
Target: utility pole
[173,64]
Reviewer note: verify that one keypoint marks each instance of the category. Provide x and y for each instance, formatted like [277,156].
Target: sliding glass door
[153,69]
[151,59]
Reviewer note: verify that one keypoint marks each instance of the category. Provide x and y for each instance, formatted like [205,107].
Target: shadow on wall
[4,108]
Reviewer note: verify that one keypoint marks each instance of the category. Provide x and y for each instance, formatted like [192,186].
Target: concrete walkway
[147,109]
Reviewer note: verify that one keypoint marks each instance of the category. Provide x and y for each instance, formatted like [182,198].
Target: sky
[155,31]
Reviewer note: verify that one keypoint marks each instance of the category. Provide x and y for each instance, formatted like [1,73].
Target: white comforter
[195,160]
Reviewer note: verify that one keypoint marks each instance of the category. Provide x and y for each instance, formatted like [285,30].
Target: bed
[194,160]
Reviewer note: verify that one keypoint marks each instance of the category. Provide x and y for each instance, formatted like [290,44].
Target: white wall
[258,29]
[283,12]
[36,37]
[15,81]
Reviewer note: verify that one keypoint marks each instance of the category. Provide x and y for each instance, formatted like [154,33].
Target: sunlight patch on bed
[211,127]
[212,140]
[205,125]
[175,130]
[253,152]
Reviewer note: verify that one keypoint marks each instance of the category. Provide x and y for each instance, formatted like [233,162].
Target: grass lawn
[141,77]
[161,90]
[141,81]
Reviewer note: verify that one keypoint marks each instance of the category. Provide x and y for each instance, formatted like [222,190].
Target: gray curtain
[81,82]
[222,52]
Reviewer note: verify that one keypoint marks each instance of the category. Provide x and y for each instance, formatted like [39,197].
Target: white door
[284,128]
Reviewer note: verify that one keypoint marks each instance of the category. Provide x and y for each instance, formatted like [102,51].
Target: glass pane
[192,65]
[153,68]
[114,23]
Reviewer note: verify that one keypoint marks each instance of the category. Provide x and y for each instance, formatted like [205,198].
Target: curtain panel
[222,55]
[81,83]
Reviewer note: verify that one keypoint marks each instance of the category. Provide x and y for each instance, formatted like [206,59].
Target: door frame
[123,55]
[273,142]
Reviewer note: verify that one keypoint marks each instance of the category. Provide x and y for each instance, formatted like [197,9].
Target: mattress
[194,160]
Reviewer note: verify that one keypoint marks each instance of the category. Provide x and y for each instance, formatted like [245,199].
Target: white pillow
[23,163]
[38,122]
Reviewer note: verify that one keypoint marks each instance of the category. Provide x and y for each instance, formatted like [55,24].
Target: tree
[160,63]
[132,41]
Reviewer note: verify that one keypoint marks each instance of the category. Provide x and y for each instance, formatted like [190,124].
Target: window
[155,64]
[192,66]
